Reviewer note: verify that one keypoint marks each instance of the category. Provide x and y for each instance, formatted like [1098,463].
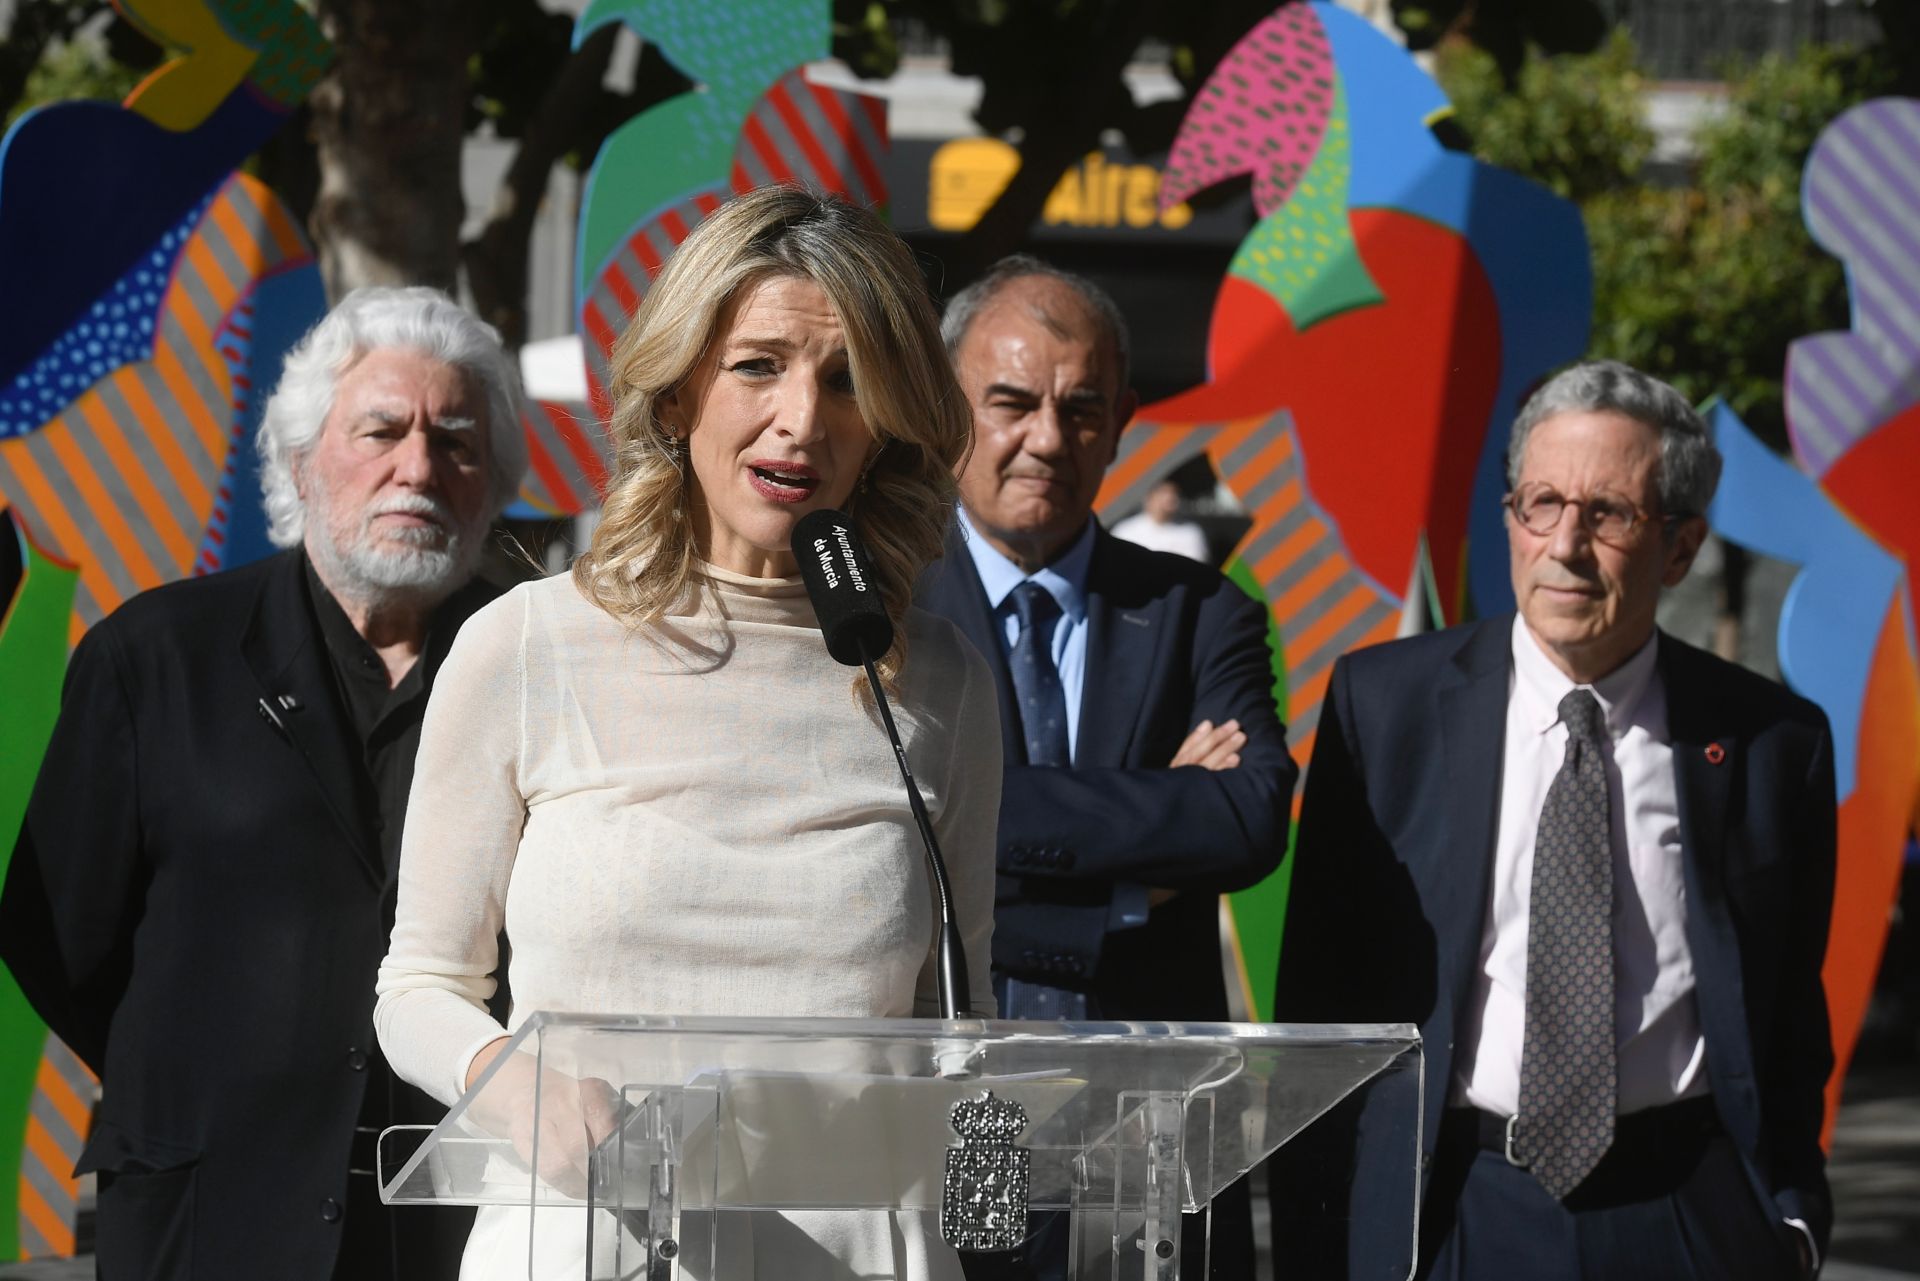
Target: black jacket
[197,905]
[1169,644]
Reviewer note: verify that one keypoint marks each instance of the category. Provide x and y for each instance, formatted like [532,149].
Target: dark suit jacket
[1169,644]
[1390,894]
[197,904]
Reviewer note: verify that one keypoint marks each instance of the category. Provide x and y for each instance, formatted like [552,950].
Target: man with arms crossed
[1595,865]
[1117,668]
[204,882]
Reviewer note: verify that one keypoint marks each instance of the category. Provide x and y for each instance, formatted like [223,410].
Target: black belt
[1645,1134]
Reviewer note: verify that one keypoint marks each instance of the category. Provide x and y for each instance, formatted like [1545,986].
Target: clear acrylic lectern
[649,1147]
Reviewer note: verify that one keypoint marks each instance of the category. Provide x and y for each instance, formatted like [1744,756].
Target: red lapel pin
[1715,753]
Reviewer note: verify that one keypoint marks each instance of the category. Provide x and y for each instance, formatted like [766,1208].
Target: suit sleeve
[76,883]
[1068,836]
[1338,935]
[1326,942]
[1802,1043]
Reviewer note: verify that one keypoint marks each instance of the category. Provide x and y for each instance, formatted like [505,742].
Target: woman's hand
[574,1116]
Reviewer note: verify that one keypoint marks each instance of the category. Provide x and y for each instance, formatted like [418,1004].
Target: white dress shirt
[1661,1053]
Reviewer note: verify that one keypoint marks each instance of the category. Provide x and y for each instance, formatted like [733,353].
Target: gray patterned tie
[1036,681]
[1567,1059]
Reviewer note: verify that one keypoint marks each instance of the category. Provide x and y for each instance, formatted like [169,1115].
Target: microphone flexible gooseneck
[857,630]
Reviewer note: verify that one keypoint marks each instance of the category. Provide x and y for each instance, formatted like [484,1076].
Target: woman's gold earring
[867,470]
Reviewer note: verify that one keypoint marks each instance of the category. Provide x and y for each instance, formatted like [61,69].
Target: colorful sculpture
[1843,509]
[1371,341]
[153,292]
[756,120]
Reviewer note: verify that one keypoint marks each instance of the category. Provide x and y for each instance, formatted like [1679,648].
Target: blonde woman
[651,774]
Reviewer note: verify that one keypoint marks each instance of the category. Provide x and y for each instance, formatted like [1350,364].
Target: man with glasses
[1595,865]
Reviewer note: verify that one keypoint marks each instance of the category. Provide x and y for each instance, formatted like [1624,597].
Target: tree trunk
[1076,107]
[389,119]
[496,260]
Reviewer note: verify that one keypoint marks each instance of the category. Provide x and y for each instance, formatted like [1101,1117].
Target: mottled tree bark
[388,120]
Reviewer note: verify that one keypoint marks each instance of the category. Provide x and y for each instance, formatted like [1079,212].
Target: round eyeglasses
[1607,517]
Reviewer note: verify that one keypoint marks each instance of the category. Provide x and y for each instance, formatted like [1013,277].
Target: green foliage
[1505,29]
[77,68]
[1574,122]
[1706,281]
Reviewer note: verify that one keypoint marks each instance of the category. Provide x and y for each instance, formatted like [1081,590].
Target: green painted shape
[653,160]
[734,50]
[33,658]
[1303,254]
[294,57]
[1260,911]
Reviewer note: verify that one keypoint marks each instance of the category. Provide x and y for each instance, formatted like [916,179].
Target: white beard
[410,564]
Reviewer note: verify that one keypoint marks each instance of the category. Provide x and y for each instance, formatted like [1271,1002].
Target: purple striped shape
[1861,194]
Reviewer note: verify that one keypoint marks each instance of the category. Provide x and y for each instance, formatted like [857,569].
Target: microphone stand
[951,967]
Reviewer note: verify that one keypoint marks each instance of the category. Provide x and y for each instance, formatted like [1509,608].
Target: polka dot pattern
[1036,682]
[117,330]
[1567,1070]
[1262,111]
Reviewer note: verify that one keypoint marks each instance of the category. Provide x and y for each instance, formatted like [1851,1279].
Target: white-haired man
[203,885]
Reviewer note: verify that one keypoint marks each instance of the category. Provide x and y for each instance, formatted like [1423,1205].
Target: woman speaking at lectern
[651,774]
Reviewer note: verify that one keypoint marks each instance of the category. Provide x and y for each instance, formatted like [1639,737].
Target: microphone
[854,622]
[846,597]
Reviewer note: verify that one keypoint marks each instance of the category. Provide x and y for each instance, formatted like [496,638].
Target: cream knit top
[690,818]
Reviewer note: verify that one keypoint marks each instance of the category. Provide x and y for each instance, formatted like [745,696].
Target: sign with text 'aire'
[1110,194]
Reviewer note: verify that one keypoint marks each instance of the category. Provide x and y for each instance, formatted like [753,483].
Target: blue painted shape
[1531,243]
[1533,247]
[117,330]
[86,189]
[1389,100]
[285,305]
[1830,623]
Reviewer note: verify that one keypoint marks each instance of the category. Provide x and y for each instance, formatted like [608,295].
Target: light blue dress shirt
[1066,581]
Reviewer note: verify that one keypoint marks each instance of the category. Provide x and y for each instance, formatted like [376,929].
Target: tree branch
[496,259]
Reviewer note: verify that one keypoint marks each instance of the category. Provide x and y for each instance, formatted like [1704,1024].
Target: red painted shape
[562,500]
[769,154]
[597,328]
[826,174]
[1874,482]
[586,459]
[874,186]
[1419,369]
[1874,822]
[623,291]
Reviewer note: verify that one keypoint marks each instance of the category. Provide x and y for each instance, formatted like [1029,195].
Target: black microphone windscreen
[843,587]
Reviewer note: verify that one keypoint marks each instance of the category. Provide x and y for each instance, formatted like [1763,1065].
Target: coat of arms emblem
[984,1198]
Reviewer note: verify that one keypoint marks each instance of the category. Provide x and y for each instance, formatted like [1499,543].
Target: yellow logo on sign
[968,175]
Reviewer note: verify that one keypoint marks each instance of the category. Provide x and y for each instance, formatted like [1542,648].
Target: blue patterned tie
[1036,681]
[1567,1074]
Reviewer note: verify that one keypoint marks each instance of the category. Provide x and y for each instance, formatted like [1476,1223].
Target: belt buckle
[1513,1158]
